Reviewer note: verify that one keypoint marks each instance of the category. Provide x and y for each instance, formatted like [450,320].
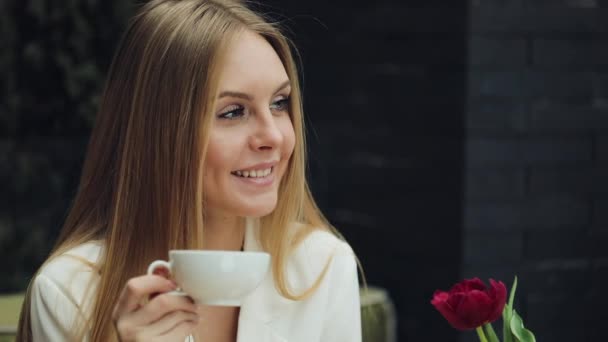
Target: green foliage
[490,333]
[517,327]
[513,325]
[507,313]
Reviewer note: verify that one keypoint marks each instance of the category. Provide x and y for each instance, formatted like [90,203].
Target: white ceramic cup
[221,278]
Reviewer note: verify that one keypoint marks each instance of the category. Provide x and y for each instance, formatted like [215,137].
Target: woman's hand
[164,318]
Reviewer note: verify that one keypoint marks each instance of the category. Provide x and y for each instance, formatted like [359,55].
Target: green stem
[481,334]
[492,337]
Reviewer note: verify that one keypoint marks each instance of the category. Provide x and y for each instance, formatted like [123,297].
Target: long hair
[141,188]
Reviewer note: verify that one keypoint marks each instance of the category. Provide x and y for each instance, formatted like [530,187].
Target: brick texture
[537,123]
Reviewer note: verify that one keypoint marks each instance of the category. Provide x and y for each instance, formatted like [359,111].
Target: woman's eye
[232,113]
[280,105]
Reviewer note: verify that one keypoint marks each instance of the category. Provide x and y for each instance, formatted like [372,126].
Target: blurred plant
[53,60]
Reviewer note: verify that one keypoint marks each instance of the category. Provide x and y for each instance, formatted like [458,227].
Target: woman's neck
[224,233]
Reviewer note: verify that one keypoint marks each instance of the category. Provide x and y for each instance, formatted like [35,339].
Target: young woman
[199,144]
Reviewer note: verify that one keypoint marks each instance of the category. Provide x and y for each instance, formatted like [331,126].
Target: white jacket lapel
[264,305]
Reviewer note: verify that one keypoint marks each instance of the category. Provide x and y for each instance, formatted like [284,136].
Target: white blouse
[60,296]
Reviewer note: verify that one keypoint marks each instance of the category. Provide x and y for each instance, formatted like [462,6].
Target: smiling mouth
[253,173]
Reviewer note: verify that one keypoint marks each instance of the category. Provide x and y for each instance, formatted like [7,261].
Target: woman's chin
[258,210]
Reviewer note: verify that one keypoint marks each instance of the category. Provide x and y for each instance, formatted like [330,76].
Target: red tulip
[470,304]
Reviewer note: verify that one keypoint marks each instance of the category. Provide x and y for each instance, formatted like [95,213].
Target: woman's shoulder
[60,293]
[323,242]
[81,258]
[319,249]
[72,271]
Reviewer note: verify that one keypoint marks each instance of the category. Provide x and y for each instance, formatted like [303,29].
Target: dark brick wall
[537,118]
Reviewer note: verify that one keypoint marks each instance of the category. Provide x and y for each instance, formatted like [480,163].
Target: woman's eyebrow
[247,96]
[282,86]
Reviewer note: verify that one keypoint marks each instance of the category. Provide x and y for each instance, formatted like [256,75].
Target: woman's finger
[180,331]
[160,306]
[173,324]
[139,288]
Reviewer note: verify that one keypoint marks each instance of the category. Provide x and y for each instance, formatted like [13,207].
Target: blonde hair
[142,177]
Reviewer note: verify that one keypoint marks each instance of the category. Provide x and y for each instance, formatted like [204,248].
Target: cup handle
[157,264]
[164,264]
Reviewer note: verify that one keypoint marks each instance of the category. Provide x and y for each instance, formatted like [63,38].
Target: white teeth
[254,173]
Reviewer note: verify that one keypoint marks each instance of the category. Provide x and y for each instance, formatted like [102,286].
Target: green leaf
[512,295]
[491,333]
[517,327]
[507,313]
[507,335]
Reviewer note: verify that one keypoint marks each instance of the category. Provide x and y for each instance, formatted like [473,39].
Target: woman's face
[251,137]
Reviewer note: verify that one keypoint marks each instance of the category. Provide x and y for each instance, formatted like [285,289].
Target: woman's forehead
[251,64]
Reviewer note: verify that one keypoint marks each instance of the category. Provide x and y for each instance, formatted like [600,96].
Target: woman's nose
[267,134]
